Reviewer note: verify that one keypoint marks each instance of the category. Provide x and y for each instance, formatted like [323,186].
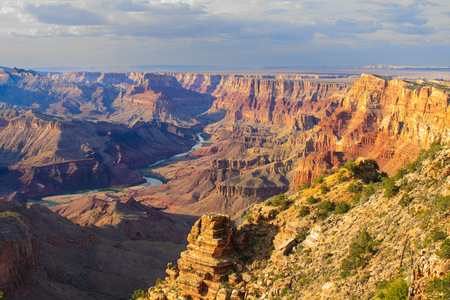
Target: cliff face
[276,101]
[389,120]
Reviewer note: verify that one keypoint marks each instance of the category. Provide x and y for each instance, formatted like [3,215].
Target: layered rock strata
[205,264]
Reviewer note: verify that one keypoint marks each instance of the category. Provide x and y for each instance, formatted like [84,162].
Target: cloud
[64,14]
[235,30]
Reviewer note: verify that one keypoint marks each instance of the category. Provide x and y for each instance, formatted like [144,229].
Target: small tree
[362,245]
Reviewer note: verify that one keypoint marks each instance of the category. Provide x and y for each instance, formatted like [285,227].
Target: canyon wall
[43,154]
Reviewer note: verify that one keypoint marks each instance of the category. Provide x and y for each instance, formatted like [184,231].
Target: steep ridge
[355,240]
[42,154]
[44,255]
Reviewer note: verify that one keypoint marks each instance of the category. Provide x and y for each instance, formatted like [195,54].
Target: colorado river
[152,181]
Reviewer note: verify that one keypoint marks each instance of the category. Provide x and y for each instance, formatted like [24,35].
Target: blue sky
[232,33]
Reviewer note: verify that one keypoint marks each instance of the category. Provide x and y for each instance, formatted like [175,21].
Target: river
[152,181]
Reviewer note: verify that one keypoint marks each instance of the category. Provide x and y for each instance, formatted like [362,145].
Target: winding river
[152,181]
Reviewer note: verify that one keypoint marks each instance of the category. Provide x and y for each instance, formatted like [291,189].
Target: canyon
[264,136]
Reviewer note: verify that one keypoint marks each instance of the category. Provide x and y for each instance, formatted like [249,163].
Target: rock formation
[206,263]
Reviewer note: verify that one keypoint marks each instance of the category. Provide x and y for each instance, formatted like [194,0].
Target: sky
[224,33]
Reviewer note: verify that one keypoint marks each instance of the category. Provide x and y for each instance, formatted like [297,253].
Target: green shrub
[249,216]
[1,294]
[391,191]
[443,202]
[369,190]
[304,211]
[284,291]
[362,245]
[318,180]
[301,236]
[324,189]
[444,251]
[139,294]
[311,200]
[352,166]
[304,186]
[353,188]
[439,288]
[437,234]
[326,205]
[400,173]
[406,200]
[395,289]
[342,207]
[279,200]
[340,176]
[158,281]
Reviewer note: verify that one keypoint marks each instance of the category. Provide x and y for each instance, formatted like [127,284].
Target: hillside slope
[345,238]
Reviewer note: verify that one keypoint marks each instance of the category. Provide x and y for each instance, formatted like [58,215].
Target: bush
[395,289]
[353,188]
[391,191]
[439,288]
[324,189]
[304,211]
[406,200]
[279,200]
[158,281]
[352,166]
[437,234]
[326,205]
[443,202]
[342,207]
[369,190]
[305,185]
[400,174]
[444,251]
[301,236]
[1,294]
[318,180]
[362,245]
[311,200]
[249,216]
[139,294]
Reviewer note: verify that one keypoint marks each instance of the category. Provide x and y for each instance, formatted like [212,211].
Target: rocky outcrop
[205,264]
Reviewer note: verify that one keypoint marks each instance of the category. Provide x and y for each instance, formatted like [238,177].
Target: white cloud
[243,26]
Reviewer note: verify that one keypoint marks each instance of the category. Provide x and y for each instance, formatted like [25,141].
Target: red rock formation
[205,263]
[276,102]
